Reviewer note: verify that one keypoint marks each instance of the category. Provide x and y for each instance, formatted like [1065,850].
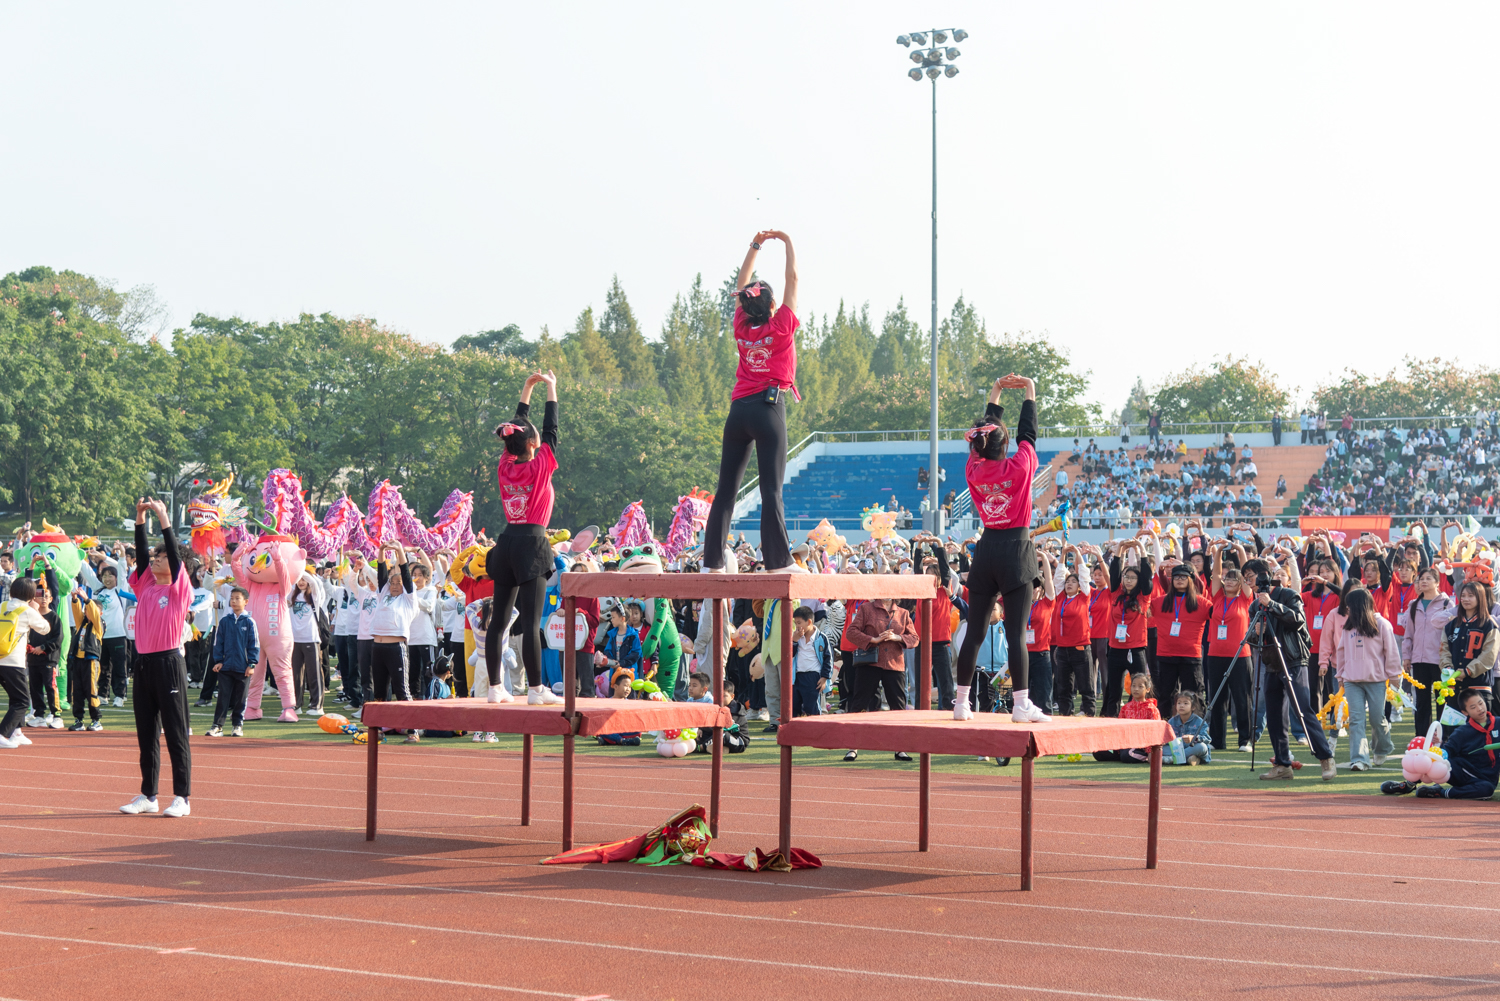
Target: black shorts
[521,553]
[1006,559]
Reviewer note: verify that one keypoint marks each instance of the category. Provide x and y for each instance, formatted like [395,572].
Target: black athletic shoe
[771,728]
[200,703]
[902,756]
[852,756]
[1432,792]
[1397,788]
[78,725]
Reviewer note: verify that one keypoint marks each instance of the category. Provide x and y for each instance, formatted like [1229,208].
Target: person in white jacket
[1364,653]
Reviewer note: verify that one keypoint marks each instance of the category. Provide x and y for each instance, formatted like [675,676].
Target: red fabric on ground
[598,716]
[991,734]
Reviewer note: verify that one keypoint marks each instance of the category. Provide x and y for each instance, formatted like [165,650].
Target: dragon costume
[53,548]
[662,641]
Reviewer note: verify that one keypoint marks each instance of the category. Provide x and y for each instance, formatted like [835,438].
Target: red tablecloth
[598,716]
[992,734]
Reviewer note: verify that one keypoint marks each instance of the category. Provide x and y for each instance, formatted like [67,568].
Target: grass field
[1229,769]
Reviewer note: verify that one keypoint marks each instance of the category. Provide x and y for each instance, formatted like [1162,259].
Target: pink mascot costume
[268,568]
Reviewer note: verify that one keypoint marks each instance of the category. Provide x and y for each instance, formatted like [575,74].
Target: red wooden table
[990,734]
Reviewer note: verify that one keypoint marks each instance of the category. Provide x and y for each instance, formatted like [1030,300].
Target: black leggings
[528,596]
[1015,604]
[751,421]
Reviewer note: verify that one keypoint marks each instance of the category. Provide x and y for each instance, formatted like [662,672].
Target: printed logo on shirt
[994,500]
[757,353]
[367,605]
[161,602]
[516,497]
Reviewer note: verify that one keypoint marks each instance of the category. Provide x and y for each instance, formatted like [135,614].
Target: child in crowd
[1191,729]
[812,664]
[1140,706]
[700,687]
[619,688]
[83,660]
[18,619]
[236,650]
[442,680]
[1475,769]
[42,646]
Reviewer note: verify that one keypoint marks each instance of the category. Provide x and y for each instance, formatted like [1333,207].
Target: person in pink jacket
[1364,653]
[1421,646]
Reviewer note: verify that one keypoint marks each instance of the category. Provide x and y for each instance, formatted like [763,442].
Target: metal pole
[934,484]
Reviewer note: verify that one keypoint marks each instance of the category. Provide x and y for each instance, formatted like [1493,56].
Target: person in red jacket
[1229,620]
[1072,660]
[1129,612]
[1039,634]
[1181,615]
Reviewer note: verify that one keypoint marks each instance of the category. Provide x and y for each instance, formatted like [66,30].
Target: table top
[748,585]
[992,734]
[597,716]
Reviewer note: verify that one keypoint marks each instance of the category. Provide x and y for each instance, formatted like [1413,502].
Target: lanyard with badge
[1030,632]
[1176,629]
[1122,631]
[1224,618]
[1318,619]
[1062,616]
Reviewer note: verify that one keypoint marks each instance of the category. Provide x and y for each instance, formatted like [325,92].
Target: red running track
[269,890]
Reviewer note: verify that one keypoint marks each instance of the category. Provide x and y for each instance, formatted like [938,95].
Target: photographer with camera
[1279,637]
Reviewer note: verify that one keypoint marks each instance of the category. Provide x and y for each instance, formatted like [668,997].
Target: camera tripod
[1257,614]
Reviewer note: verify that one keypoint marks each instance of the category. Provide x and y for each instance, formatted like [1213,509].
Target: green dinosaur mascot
[662,641]
[52,549]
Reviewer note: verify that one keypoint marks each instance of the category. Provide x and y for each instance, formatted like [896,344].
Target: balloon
[332,723]
[664,749]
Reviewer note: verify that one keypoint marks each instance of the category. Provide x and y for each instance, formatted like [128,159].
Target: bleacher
[840,486]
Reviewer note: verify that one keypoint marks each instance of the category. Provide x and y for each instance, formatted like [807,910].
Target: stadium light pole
[933,61]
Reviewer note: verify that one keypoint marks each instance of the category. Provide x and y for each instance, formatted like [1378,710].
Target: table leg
[717,769]
[785,840]
[372,738]
[526,743]
[924,701]
[1026,778]
[1154,810]
[924,798]
[567,825]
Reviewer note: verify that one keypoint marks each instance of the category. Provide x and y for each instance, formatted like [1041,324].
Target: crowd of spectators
[1421,472]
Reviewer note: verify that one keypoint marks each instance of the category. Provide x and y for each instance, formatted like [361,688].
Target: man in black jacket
[1282,627]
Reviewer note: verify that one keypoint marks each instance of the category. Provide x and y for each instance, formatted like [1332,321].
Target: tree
[1060,388]
[508,340]
[589,354]
[618,325]
[962,339]
[900,345]
[1231,391]
[1429,387]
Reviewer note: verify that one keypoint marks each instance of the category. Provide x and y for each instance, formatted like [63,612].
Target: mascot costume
[469,575]
[662,641]
[268,568]
[53,549]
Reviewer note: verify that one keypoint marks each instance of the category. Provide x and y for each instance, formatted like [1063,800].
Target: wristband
[754,245]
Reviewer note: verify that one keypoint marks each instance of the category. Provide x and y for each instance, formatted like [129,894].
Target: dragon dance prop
[688,518]
[684,840]
[210,514]
[632,529]
[344,526]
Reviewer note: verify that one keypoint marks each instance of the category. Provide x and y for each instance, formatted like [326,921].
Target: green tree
[901,345]
[1231,390]
[589,354]
[1060,389]
[1428,387]
[508,340]
[620,330]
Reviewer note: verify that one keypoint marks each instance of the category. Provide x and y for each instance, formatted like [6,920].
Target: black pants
[83,687]
[1151,652]
[515,590]
[346,649]
[1235,693]
[751,421]
[805,694]
[1039,671]
[1119,664]
[114,666]
[1324,687]
[1427,674]
[1073,670]
[364,652]
[942,672]
[43,678]
[388,672]
[1101,660]
[871,679]
[231,704]
[160,702]
[1174,673]
[1016,605]
[307,673]
[848,681]
[1276,695]
[455,649]
[198,652]
[17,685]
[420,658]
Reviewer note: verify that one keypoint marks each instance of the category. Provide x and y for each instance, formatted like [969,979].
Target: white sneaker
[479,736]
[179,808]
[140,805]
[961,710]
[119,702]
[9,744]
[20,739]
[543,697]
[793,568]
[30,720]
[1029,714]
[54,723]
[497,695]
[358,713]
[1245,748]
[490,738]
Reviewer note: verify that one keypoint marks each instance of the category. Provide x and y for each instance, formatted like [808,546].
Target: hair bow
[973,433]
[752,290]
[507,429]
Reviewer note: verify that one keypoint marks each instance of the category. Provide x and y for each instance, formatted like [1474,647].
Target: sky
[1149,185]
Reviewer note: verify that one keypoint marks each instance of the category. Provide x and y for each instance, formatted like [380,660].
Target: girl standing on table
[765,336]
[1005,561]
[521,559]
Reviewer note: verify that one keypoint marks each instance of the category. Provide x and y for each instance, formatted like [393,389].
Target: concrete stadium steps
[840,486]
[1296,462]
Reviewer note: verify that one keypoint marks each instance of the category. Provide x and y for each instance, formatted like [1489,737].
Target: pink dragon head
[632,529]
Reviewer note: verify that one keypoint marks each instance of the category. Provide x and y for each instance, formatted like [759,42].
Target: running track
[270,890]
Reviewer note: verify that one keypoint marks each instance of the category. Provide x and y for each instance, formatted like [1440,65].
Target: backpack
[9,631]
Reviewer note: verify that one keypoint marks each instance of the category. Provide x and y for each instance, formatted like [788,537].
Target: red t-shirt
[526,487]
[1397,597]
[942,617]
[1070,620]
[768,354]
[1317,610]
[1099,627]
[1001,488]
[1039,625]
[1235,614]
[1189,639]
[1134,621]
